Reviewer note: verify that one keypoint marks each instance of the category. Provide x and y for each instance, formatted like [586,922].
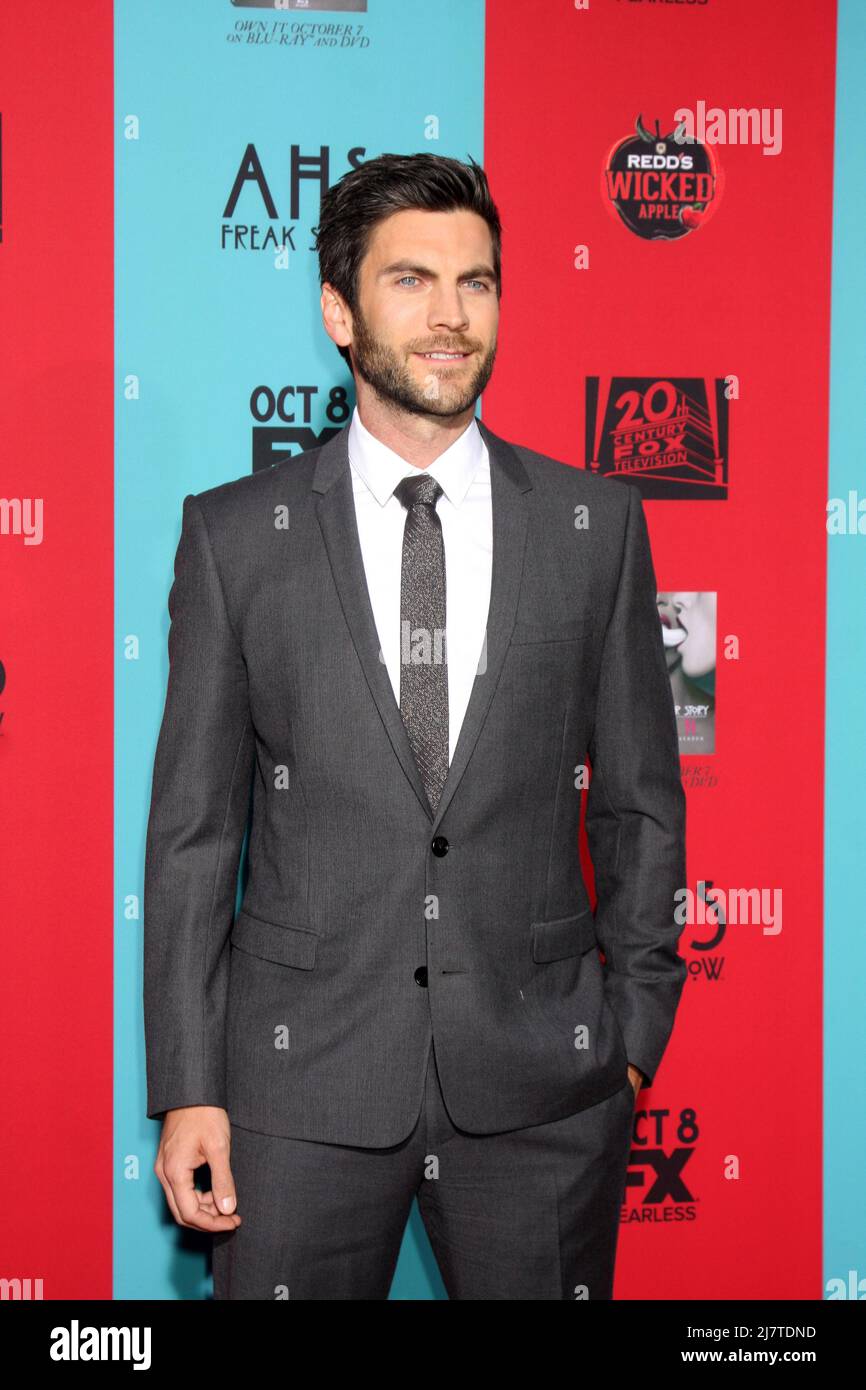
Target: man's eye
[482,283]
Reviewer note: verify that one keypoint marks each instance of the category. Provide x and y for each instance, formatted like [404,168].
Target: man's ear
[336,316]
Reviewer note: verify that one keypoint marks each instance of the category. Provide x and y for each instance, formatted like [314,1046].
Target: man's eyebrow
[475,272]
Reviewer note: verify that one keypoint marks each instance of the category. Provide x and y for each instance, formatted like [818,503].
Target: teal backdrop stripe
[845,768]
[197,327]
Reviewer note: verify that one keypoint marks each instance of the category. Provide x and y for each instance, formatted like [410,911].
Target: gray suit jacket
[367,921]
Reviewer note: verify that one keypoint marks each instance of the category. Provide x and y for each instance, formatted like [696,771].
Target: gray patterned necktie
[423,660]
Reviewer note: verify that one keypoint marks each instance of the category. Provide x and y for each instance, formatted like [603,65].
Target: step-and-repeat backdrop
[681,201]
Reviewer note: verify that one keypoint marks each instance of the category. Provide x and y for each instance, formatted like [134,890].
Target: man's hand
[191,1136]
[636,1077]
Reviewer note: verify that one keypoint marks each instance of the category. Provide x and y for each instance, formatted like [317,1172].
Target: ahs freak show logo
[662,1145]
[669,435]
[707,958]
[661,186]
[253,221]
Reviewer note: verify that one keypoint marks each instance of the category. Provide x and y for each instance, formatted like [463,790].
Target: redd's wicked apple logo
[661,186]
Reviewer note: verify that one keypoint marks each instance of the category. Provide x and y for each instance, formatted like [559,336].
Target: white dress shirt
[465,510]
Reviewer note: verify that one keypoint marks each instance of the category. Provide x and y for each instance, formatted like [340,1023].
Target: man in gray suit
[410,1001]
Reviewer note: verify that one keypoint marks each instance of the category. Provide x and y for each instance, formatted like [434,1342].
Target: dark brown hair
[393,183]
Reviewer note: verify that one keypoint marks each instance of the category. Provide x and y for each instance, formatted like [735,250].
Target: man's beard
[392,379]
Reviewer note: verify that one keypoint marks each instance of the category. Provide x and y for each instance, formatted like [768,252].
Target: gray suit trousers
[527,1214]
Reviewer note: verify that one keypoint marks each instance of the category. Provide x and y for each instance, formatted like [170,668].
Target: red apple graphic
[692,217]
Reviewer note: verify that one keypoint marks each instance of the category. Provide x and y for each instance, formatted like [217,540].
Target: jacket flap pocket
[272,941]
[551,632]
[563,936]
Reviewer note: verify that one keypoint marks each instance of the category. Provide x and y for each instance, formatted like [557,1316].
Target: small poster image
[688,623]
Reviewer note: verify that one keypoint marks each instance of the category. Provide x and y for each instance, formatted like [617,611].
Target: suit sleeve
[198,810]
[636,810]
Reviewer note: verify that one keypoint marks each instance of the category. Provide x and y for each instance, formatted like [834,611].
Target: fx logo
[660,1173]
[274,443]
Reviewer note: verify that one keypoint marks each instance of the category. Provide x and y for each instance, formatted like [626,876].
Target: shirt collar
[381,468]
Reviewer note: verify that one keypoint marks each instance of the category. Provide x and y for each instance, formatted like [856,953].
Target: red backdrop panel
[56,373]
[745,294]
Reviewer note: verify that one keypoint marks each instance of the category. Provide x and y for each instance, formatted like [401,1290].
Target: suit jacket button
[439,846]
[421,976]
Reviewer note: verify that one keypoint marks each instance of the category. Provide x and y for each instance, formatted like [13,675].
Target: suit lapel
[508,482]
[335,509]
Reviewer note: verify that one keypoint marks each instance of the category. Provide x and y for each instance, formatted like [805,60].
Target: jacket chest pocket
[572,630]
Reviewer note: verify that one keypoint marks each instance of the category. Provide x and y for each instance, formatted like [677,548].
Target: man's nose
[448,310]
